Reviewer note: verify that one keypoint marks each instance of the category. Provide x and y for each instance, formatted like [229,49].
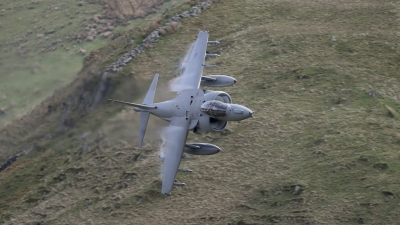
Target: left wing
[193,70]
[172,149]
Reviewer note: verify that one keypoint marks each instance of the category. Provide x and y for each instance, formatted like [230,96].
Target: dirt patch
[128,9]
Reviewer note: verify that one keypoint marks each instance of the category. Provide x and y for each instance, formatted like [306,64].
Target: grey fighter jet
[193,109]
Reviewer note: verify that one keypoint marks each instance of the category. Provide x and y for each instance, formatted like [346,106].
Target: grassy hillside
[320,149]
[41,45]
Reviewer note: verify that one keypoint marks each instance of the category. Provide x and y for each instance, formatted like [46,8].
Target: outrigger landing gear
[177,183]
[185,170]
[185,157]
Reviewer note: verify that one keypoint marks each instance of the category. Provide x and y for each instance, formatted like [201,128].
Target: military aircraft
[193,109]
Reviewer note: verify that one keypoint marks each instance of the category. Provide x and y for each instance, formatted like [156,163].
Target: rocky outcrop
[154,36]
[10,161]
[86,98]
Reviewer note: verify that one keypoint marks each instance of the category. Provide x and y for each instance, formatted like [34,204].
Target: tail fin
[144,116]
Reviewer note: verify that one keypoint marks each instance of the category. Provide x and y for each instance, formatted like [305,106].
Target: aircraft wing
[172,150]
[193,65]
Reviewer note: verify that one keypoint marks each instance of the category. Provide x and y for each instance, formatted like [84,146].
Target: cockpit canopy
[214,108]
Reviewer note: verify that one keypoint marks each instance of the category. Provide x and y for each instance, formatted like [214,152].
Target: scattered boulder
[57,41]
[81,4]
[340,101]
[371,93]
[40,35]
[297,190]
[10,161]
[96,18]
[49,32]
[89,38]
[60,177]
[82,51]
[152,38]
[106,34]
[184,14]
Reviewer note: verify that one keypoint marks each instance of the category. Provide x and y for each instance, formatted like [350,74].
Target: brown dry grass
[391,111]
[301,134]
[154,25]
[128,9]
[172,27]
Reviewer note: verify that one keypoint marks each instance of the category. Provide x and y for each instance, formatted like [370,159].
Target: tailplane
[144,116]
[142,108]
[136,106]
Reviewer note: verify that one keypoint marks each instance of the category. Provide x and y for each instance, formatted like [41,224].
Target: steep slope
[322,148]
[43,43]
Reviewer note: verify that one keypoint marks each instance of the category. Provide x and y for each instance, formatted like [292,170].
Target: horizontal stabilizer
[144,116]
[144,119]
[140,106]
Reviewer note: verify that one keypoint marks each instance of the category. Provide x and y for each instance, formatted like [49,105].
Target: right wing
[193,65]
[172,150]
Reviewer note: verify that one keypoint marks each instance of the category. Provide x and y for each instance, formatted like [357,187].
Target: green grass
[314,126]
[30,74]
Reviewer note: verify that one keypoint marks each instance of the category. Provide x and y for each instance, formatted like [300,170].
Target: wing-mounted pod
[217,81]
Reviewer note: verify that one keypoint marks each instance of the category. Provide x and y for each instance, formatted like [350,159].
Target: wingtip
[166,192]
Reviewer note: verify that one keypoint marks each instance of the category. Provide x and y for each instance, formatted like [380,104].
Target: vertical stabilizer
[144,116]
[151,92]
